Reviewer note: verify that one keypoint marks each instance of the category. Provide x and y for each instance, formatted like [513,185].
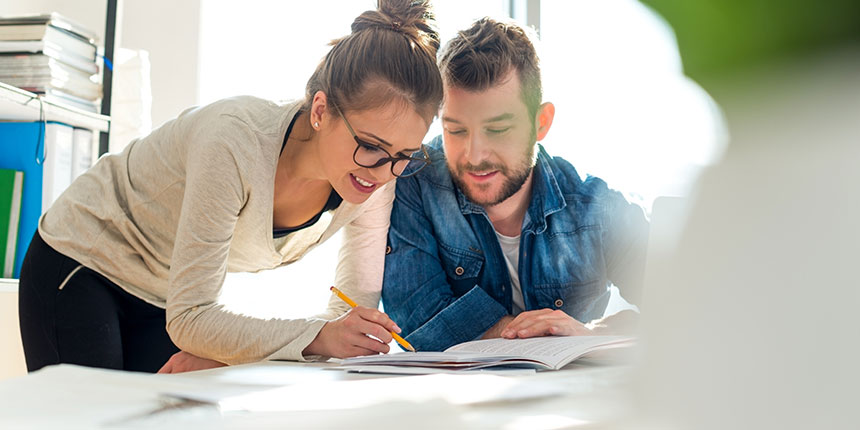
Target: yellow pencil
[351,303]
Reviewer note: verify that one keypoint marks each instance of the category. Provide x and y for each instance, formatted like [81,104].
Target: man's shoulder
[568,178]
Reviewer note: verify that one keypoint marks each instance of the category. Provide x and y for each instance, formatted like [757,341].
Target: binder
[22,145]
[82,151]
[57,168]
[11,189]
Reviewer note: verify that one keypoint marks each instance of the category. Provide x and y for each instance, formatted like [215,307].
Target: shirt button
[459,271]
[559,302]
[387,250]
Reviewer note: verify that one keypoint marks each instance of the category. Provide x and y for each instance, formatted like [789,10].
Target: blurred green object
[719,36]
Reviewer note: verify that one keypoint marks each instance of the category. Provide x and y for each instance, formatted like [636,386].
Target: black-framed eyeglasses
[370,155]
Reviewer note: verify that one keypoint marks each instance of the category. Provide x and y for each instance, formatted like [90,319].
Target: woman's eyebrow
[381,140]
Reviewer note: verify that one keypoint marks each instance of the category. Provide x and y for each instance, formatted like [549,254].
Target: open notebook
[541,353]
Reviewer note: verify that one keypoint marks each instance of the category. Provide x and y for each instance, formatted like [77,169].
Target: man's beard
[514,178]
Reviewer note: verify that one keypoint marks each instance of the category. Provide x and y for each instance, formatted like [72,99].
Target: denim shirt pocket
[462,268]
[581,300]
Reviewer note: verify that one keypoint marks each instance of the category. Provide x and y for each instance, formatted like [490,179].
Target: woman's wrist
[316,346]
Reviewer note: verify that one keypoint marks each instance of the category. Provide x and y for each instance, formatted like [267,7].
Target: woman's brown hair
[389,56]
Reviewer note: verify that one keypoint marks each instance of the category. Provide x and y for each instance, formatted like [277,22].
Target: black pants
[71,314]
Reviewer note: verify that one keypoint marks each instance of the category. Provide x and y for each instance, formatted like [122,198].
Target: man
[494,237]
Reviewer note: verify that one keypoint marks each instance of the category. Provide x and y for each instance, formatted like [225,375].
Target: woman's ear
[318,110]
[543,119]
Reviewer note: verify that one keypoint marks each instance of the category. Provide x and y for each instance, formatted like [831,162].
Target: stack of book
[50,55]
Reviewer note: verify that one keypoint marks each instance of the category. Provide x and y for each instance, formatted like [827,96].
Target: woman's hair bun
[389,56]
[414,18]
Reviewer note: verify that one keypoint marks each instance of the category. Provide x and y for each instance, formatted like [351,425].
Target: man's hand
[185,362]
[361,331]
[548,322]
[544,322]
[496,330]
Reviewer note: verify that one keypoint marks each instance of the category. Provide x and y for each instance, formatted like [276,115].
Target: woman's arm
[359,276]
[215,193]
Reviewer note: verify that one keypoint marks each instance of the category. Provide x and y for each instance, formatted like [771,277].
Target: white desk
[308,396]
[11,351]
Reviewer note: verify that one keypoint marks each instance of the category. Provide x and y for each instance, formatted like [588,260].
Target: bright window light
[624,109]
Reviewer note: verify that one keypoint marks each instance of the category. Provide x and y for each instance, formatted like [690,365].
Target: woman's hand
[361,331]
[185,362]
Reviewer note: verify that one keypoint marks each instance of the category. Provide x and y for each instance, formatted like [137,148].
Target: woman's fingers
[365,342]
[361,331]
[368,322]
[375,316]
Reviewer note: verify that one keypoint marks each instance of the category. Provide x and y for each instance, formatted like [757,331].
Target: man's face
[489,140]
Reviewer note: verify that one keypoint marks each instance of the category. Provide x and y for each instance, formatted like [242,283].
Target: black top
[333,202]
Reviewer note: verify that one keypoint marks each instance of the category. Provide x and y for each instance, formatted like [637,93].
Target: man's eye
[456,132]
[498,130]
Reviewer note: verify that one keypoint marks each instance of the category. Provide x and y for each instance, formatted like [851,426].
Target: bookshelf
[18,108]
[19,105]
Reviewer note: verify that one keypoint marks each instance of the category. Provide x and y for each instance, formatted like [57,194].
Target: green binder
[11,188]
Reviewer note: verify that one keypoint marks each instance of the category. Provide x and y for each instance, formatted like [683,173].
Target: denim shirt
[446,280]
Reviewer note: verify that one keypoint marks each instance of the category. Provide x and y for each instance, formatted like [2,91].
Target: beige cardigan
[168,217]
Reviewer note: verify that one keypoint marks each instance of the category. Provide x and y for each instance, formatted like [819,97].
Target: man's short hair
[482,55]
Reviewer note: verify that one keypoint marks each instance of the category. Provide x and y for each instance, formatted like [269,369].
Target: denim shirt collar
[546,196]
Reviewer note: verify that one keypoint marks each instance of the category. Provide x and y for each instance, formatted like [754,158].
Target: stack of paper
[48,54]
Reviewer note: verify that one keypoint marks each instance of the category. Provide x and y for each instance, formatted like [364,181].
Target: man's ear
[543,119]
[318,109]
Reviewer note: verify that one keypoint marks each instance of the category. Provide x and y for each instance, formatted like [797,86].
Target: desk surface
[311,395]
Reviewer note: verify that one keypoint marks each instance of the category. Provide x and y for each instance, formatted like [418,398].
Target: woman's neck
[301,188]
[299,160]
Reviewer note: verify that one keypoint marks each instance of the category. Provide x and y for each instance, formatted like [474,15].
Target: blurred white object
[625,111]
[752,321]
[131,105]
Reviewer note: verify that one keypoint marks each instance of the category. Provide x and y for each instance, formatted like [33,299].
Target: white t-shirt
[511,250]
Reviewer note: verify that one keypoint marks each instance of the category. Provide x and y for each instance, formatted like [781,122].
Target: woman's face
[396,128]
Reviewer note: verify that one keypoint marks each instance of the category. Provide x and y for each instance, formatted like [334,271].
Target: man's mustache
[483,167]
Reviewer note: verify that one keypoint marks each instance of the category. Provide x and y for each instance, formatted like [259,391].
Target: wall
[172,41]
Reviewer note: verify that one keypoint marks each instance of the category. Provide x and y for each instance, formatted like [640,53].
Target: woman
[146,236]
